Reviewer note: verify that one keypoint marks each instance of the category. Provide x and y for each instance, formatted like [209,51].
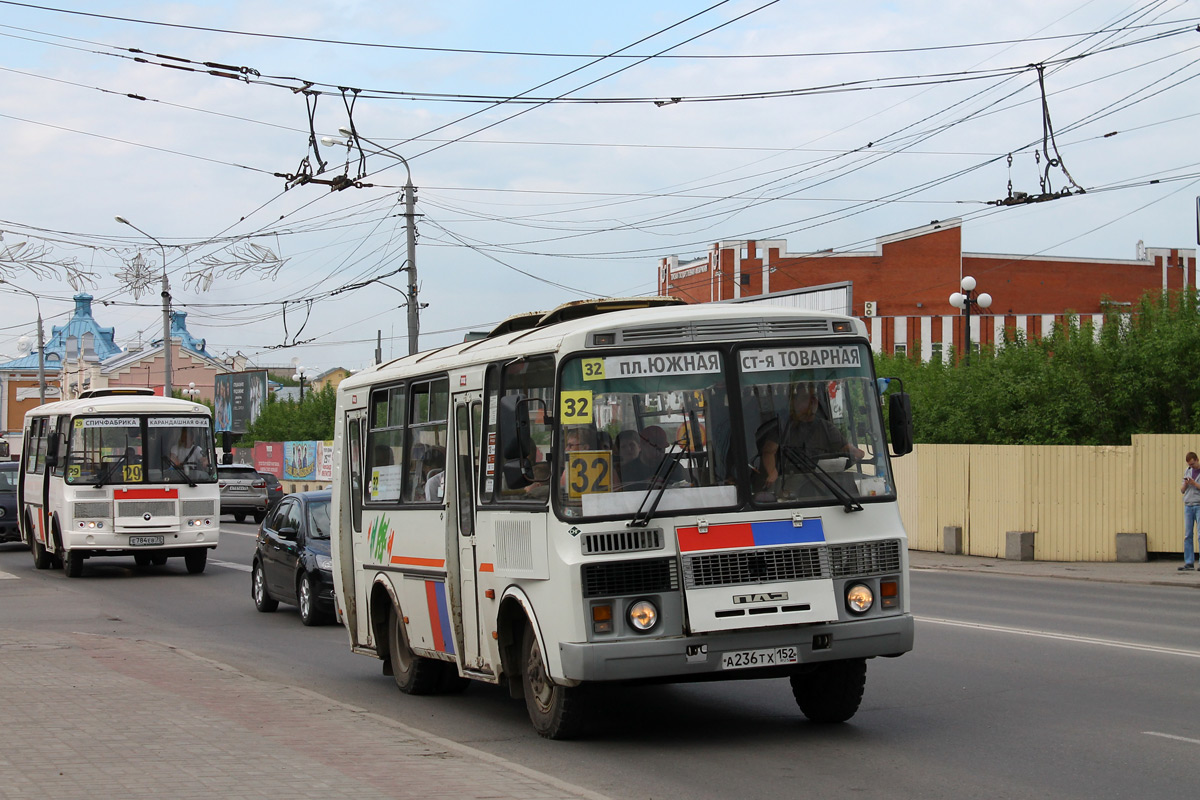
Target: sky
[558,150]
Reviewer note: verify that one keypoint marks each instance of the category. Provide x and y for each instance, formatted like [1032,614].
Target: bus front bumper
[132,542]
[699,656]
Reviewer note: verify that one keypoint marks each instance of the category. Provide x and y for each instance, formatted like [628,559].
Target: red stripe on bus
[718,537]
[147,494]
[435,616]
[419,562]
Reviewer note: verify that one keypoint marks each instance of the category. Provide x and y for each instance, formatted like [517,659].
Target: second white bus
[119,472]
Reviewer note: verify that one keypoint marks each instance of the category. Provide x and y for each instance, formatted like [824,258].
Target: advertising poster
[299,461]
[238,399]
[268,457]
[325,461]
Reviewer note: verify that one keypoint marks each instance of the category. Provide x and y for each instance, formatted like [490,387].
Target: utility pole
[166,309]
[414,308]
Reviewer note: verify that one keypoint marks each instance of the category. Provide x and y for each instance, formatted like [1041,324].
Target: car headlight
[325,563]
[643,615]
[859,598]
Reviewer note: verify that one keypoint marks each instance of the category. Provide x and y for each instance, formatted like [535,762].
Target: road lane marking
[230,565]
[238,533]
[5,576]
[1064,637]
[1172,736]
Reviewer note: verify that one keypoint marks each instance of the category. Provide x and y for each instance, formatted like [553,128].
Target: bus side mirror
[900,424]
[516,443]
[52,450]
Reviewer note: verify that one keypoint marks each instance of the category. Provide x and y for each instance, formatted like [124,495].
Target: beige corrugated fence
[1077,499]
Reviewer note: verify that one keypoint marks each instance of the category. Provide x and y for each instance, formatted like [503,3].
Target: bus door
[468,422]
[353,546]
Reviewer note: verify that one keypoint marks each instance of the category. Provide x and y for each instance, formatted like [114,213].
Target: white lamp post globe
[958,299]
[968,283]
[984,300]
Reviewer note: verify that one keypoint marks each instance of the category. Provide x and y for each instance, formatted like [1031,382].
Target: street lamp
[300,375]
[191,392]
[964,300]
[410,200]
[166,306]
[41,342]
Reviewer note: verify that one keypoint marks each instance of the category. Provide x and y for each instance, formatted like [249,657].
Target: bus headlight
[643,615]
[859,598]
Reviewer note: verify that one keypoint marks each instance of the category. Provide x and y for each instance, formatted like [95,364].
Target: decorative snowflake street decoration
[137,276]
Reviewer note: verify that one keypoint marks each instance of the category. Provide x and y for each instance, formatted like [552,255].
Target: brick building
[902,288]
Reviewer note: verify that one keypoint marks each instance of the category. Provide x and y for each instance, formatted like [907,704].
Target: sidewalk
[93,717]
[1150,573]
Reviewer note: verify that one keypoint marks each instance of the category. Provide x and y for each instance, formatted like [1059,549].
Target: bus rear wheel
[557,712]
[41,557]
[832,691]
[413,673]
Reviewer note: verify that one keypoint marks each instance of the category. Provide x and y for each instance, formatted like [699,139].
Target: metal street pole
[166,308]
[964,300]
[41,342]
[410,216]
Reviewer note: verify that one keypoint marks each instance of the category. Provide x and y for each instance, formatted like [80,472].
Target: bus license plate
[773,657]
[145,541]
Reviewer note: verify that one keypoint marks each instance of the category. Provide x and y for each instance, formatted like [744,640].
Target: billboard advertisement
[300,461]
[238,399]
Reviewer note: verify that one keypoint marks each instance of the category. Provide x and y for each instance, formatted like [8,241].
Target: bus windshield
[630,424]
[811,426]
[135,449]
[810,431]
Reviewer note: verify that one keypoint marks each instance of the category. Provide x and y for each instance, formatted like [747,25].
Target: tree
[286,421]
[1072,386]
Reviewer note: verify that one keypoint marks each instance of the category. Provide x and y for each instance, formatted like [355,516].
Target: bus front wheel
[832,691]
[72,561]
[413,673]
[557,712]
[195,560]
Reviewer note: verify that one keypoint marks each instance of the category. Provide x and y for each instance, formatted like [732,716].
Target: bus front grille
[198,508]
[631,540]
[867,558]
[755,566]
[139,508]
[630,577]
[91,510]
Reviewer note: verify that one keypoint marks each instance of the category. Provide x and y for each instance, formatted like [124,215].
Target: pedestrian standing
[1191,509]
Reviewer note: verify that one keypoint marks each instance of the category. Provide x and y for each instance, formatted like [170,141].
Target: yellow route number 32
[588,472]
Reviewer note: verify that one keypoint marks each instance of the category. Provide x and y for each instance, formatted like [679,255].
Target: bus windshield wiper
[179,469]
[666,465]
[807,463]
[107,472]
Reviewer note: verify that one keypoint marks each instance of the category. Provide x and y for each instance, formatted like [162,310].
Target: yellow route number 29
[588,472]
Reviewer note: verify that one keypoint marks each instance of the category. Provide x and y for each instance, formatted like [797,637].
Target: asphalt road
[1018,687]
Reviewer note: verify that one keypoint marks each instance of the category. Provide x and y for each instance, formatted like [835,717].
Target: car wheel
[557,712]
[832,691]
[259,516]
[239,517]
[306,596]
[195,560]
[258,590]
[413,673]
[72,561]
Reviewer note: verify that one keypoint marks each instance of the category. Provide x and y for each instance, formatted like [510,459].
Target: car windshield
[140,449]
[8,480]
[318,519]
[811,425]
[632,423]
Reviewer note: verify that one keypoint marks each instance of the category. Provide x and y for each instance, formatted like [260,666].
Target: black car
[10,531]
[292,563]
[275,491]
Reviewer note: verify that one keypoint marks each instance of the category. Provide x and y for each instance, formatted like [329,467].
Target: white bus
[119,472]
[625,491]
